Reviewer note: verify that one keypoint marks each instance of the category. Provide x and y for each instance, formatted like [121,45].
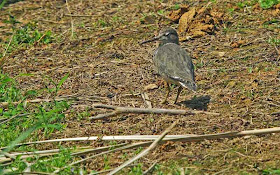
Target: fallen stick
[146,151]
[123,110]
[5,120]
[146,99]
[133,145]
[103,138]
[5,104]
[186,138]
[104,171]
[72,22]
[150,169]
[70,97]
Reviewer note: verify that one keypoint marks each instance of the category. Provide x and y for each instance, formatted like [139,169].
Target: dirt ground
[237,73]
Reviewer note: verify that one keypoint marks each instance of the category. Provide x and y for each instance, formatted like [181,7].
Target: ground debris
[176,15]
[197,22]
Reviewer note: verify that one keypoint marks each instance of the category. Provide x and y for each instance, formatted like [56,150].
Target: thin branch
[146,99]
[72,23]
[150,169]
[144,152]
[78,15]
[134,145]
[275,113]
[15,116]
[5,104]
[6,50]
[122,110]
[105,138]
[105,171]
[2,60]
[185,138]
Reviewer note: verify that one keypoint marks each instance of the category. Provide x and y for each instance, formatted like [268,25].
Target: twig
[227,135]
[78,15]
[121,110]
[106,138]
[134,145]
[186,138]
[72,23]
[95,150]
[150,169]
[14,158]
[275,113]
[146,99]
[222,171]
[104,171]
[2,60]
[37,42]
[8,155]
[100,149]
[146,151]
[23,173]
[6,50]
[15,116]
[5,104]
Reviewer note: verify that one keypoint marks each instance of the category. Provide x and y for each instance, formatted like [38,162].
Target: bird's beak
[151,40]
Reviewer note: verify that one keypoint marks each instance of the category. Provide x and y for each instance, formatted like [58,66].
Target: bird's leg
[167,94]
[178,93]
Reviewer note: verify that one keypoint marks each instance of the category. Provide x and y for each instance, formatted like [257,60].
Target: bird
[172,62]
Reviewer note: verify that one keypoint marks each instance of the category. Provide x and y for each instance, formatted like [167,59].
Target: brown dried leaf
[275,12]
[238,43]
[175,15]
[201,11]
[198,33]
[216,14]
[186,20]
[205,27]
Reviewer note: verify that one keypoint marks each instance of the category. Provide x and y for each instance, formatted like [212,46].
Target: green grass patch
[20,121]
[266,4]
[25,35]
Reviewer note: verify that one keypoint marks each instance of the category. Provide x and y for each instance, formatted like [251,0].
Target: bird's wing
[174,62]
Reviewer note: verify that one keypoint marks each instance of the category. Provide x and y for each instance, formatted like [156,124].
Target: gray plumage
[172,62]
[175,65]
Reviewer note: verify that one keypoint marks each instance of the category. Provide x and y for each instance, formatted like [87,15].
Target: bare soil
[237,73]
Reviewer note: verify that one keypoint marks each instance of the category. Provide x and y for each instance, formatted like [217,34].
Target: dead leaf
[150,19]
[175,15]
[216,14]
[204,27]
[150,87]
[185,20]
[275,12]
[198,33]
[220,54]
[231,84]
[238,43]
[201,11]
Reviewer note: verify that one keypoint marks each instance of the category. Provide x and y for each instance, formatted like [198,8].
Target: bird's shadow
[199,103]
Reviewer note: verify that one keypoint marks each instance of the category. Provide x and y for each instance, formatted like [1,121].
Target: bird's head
[166,35]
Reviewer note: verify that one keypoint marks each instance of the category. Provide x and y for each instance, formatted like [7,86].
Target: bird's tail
[186,83]
[189,84]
